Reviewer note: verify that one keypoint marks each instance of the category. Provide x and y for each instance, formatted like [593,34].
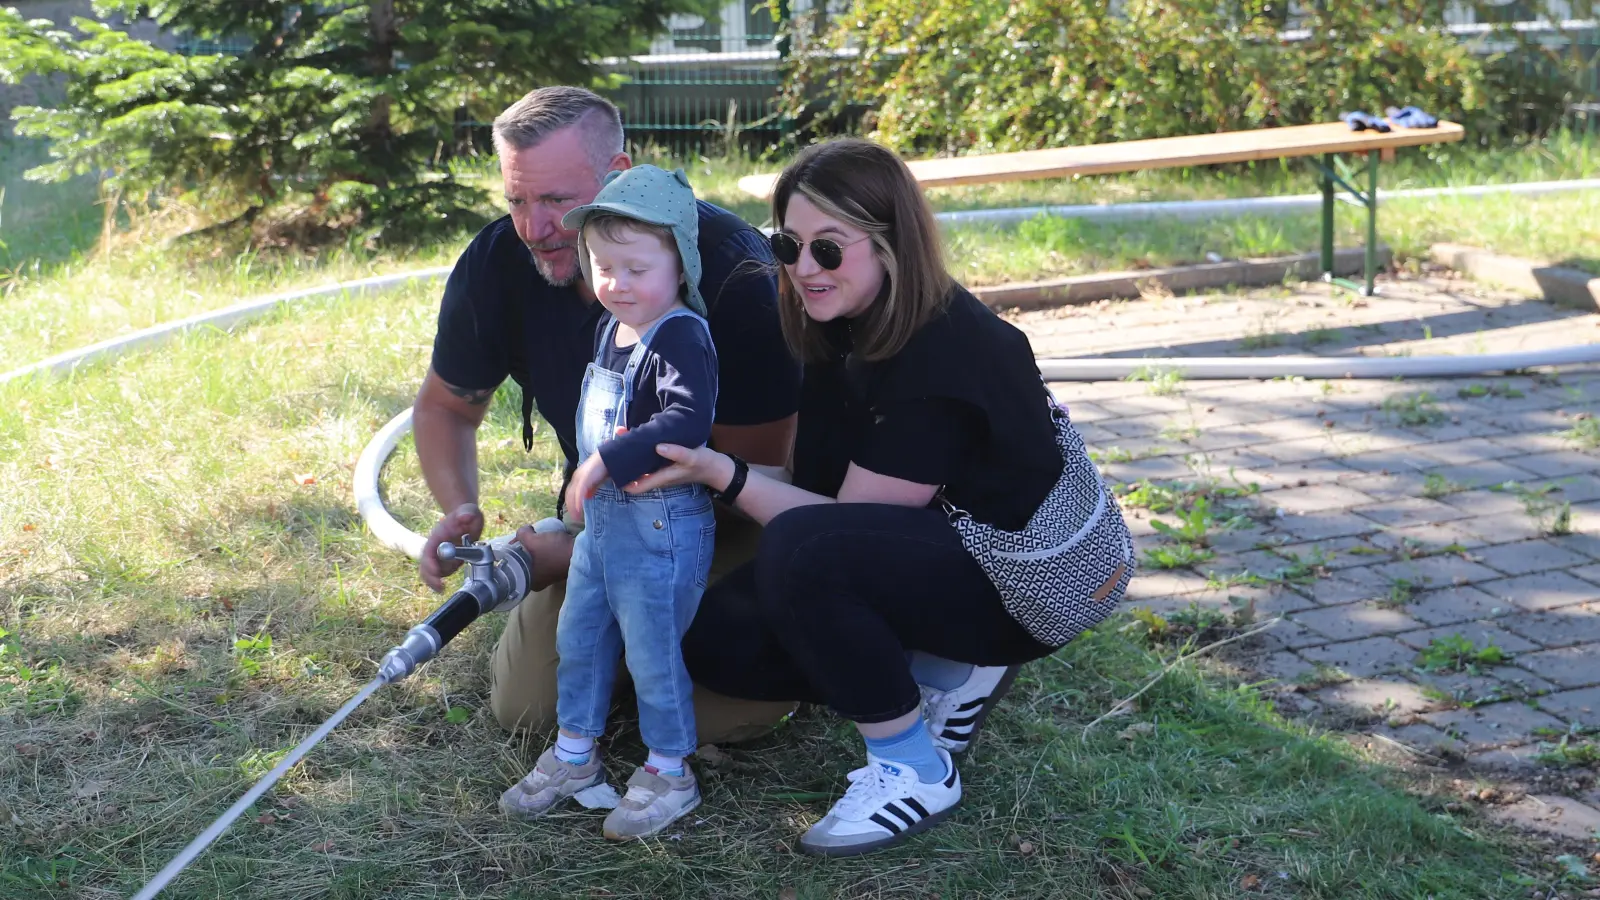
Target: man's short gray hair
[546,110]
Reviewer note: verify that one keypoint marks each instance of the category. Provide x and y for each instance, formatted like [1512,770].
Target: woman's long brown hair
[867,186]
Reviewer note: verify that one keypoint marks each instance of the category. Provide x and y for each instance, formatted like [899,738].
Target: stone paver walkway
[1386,518]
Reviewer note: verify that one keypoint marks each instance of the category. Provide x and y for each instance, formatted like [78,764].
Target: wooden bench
[1328,141]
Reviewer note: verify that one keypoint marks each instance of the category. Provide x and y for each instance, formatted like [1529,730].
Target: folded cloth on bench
[1361,121]
[1410,117]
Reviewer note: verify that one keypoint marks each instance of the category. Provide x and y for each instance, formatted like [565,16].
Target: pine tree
[340,110]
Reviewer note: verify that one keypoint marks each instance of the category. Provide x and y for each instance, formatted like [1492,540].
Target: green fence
[1554,76]
[1581,57]
[694,100]
[711,86]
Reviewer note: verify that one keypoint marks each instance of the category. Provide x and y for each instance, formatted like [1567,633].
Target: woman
[941,523]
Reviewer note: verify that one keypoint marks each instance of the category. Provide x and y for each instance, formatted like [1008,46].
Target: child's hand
[585,482]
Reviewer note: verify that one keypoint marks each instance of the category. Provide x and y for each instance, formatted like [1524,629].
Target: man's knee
[721,719]
[520,710]
[522,692]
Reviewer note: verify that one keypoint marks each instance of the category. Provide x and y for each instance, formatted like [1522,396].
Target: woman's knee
[796,531]
[797,553]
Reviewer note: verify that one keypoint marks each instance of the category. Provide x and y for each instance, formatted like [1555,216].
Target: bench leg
[1336,175]
[1327,218]
[1372,218]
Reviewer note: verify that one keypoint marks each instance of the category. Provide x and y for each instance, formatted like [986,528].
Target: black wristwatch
[741,471]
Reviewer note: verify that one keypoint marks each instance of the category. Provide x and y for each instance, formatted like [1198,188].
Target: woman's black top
[961,406]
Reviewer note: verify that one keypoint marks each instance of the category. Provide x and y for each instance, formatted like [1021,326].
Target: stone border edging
[221,319]
[1078,289]
[1560,285]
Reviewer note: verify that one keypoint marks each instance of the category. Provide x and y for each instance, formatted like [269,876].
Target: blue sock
[937,672]
[912,747]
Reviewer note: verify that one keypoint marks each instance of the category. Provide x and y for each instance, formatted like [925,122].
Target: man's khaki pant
[523,691]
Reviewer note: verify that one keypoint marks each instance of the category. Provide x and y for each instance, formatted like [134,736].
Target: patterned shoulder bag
[1067,570]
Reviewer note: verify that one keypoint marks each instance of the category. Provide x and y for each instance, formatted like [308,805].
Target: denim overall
[638,569]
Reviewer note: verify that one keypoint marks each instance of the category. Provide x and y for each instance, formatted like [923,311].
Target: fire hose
[498,577]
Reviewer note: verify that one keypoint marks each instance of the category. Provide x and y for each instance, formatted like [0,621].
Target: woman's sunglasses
[828,254]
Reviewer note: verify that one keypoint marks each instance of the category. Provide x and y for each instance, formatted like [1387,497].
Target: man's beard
[547,270]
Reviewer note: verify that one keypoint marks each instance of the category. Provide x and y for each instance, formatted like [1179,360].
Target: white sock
[574,750]
[666,765]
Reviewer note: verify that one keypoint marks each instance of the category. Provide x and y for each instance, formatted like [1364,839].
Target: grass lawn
[55,294]
[1559,227]
[1562,156]
[185,591]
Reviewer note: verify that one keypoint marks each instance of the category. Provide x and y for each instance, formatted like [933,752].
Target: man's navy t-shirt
[500,317]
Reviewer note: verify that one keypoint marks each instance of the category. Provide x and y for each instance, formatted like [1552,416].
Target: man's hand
[465,520]
[585,482]
[552,555]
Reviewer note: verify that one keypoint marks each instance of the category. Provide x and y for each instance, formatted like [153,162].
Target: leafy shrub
[951,76]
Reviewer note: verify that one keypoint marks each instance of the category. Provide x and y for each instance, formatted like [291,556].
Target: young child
[641,562]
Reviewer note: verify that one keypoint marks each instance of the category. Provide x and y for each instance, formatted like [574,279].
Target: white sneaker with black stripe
[886,804]
[955,716]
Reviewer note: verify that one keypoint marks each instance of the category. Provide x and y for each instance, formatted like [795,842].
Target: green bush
[953,76]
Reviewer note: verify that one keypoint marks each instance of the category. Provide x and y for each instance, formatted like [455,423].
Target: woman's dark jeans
[836,595]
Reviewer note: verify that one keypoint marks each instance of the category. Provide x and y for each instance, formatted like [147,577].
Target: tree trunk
[380,16]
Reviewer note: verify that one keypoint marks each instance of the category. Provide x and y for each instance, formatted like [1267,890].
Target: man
[516,304]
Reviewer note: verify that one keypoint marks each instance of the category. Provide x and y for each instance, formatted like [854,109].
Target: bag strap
[1058,410]
[1058,414]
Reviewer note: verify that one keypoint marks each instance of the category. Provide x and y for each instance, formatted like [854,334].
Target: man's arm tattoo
[474,396]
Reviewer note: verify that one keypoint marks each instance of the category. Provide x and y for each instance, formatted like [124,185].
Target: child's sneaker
[654,800]
[954,716]
[886,804]
[551,781]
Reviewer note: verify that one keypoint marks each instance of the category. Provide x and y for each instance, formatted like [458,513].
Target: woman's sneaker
[955,716]
[886,804]
[551,781]
[654,800]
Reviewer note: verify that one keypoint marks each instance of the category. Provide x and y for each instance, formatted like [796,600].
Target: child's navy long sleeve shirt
[674,395]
